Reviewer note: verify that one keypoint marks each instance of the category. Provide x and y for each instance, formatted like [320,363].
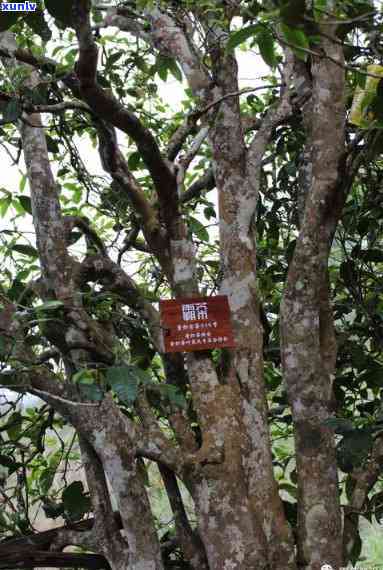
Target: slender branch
[105,531]
[206,182]
[115,164]
[189,540]
[179,137]
[117,281]
[184,161]
[60,107]
[200,112]
[322,55]
[363,480]
[25,56]
[108,108]
[274,116]
[45,394]
[37,559]
[71,222]
[188,127]
[359,18]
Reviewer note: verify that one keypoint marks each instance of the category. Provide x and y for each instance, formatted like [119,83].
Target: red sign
[196,323]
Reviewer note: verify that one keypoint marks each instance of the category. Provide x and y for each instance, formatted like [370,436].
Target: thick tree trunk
[307,333]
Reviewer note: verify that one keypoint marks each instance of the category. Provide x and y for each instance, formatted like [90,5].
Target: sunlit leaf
[25,249]
[266,46]
[25,201]
[240,36]
[297,40]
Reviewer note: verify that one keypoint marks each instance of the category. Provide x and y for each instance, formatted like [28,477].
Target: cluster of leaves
[34,449]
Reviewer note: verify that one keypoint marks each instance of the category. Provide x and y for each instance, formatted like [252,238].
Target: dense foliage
[129,170]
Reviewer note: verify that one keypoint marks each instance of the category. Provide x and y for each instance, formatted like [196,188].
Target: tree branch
[116,281]
[206,182]
[184,161]
[363,480]
[115,164]
[190,542]
[37,559]
[109,109]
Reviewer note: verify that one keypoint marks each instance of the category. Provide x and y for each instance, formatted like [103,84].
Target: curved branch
[206,182]
[106,106]
[189,540]
[364,479]
[117,281]
[37,559]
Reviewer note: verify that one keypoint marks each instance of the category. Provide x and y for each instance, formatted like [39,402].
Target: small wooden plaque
[196,323]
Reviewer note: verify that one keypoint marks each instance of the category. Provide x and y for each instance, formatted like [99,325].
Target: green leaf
[297,40]
[124,383]
[134,161]
[238,37]
[23,183]
[53,510]
[163,72]
[13,109]
[25,249]
[174,69]
[76,502]
[60,10]
[354,449]
[340,425]
[52,145]
[173,394]
[125,380]
[14,426]
[319,6]
[48,474]
[374,255]
[266,46]
[84,376]
[88,385]
[209,212]
[63,171]
[113,58]
[165,64]
[289,488]
[91,392]
[74,237]
[25,202]
[198,229]
[4,205]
